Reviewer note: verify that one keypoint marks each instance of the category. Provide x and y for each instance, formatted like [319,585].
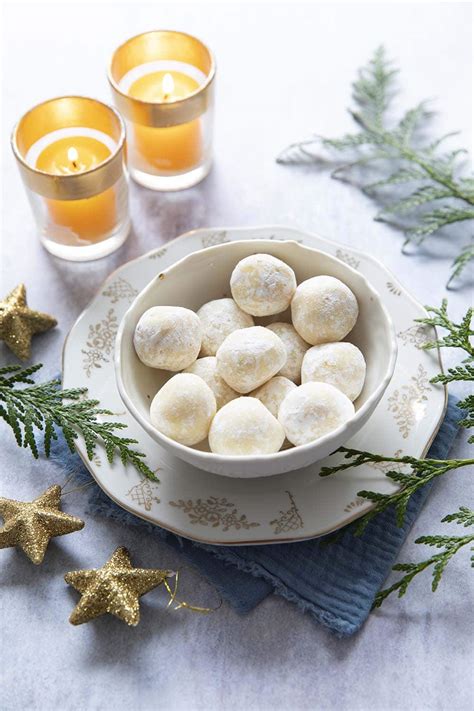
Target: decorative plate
[288,507]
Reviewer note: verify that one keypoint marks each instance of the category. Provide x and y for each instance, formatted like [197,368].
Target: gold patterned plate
[288,507]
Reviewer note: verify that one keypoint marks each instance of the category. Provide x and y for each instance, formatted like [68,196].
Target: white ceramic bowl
[203,276]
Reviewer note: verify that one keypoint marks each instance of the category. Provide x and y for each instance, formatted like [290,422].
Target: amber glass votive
[70,152]
[163,85]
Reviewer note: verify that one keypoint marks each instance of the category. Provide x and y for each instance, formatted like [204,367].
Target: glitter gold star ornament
[31,524]
[115,588]
[18,323]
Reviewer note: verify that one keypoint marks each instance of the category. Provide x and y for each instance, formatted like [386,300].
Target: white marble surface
[284,72]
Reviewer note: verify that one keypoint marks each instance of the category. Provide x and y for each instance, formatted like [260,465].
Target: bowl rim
[228,460]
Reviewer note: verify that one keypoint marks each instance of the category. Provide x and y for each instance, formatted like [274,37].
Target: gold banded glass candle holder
[70,153]
[163,85]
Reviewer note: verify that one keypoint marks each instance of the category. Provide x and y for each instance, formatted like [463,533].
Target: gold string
[76,488]
[63,486]
[182,603]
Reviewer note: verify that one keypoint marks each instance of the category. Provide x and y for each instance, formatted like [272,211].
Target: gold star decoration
[18,323]
[115,588]
[31,524]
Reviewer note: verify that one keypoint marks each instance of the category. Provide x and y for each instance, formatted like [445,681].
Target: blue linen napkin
[335,583]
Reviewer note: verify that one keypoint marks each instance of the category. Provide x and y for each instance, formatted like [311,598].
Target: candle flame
[168,84]
[72,155]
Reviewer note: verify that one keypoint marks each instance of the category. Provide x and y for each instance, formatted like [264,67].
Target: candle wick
[73,156]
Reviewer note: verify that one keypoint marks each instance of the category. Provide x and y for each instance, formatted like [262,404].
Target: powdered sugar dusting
[168,337]
[324,310]
[245,426]
[219,318]
[313,410]
[249,357]
[183,409]
[272,393]
[295,346]
[206,368]
[262,285]
[339,364]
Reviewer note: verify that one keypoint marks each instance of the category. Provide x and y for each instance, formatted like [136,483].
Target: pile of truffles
[240,382]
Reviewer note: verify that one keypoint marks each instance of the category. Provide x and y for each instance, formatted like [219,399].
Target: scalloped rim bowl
[203,276]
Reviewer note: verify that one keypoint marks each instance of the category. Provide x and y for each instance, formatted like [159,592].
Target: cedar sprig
[43,409]
[461,262]
[411,474]
[459,334]
[420,472]
[436,192]
[450,544]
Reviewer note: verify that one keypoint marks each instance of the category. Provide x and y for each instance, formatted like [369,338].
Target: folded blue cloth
[336,583]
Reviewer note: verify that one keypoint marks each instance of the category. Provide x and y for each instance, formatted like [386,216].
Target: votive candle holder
[163,85]
[70,153]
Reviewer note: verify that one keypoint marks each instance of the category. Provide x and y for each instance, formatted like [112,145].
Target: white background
[284,71]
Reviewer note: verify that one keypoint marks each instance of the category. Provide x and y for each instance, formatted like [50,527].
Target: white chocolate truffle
[323,310]
[339,364]
[168,337]
[183,409]
[206,368]
[313,410]
[262,285]
[272,393]
[295,350]
[218,319]
[249,357]
[245,426]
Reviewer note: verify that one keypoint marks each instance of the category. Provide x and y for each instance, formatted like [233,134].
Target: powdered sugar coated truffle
[295,350]
[249,357]
[219,318]
[168,337]
[262,285]
[183,409]
[323,310]
[313,410]
[273,392]
[245,426]
[339,364]
[206,368]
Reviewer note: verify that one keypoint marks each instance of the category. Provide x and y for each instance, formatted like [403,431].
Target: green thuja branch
[410,474]
[450,544]
[460,263]
[421,472]
[458,335]
[43,409]
[434,191]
